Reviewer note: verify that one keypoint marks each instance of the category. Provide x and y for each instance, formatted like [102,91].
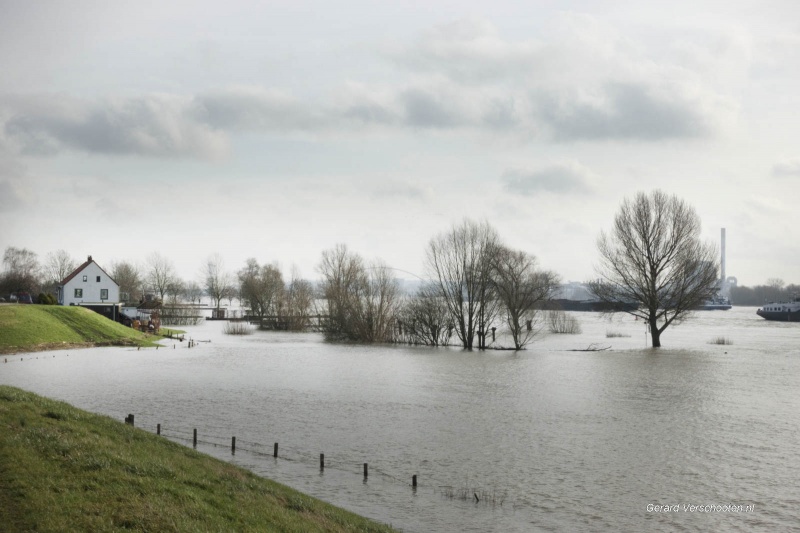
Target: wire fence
[191,436]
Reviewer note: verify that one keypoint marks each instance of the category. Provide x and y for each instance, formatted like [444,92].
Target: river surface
[547,439]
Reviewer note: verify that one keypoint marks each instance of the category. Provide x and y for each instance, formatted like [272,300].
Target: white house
[90,286]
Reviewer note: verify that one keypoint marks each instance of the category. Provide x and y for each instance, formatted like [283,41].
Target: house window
[98,279]
[79,293]
[85,278]
[104,294]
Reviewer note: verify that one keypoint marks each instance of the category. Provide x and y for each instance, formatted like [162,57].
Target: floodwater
[549,439]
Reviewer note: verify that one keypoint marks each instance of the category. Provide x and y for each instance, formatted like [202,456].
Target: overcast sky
[278,129]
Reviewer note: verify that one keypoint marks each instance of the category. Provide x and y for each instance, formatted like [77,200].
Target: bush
[615,335]
[237,328]
[46,299]
[562,323]
[720,340]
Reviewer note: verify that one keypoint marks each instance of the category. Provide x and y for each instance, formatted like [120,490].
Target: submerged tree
[460,263]
[261,288]
[425,318]
[216,279]
[521,288]
[362,301]
[654,257]
[298,300]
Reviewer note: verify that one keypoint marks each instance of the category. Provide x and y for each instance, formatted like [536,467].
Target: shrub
[616,335]
[46,299]
[720,340]
[562,323]
[237,328]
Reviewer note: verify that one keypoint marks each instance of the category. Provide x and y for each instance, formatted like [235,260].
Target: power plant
[725,283]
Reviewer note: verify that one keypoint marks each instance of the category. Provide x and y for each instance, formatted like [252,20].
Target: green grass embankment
[63,469]
[25,328]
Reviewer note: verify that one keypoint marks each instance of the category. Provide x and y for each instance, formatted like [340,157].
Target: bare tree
[261,288]
[425,318]
[361,300]
[522,289]
[460,262]
[654,257]
[57,266]
[217,280]
[22,271]
[298,301]
[193,292]
[774,290]
[161,274]
[129,278]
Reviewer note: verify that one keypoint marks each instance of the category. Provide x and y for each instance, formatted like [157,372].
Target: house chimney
[90,257]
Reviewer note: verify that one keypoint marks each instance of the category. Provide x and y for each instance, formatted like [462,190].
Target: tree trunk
[655,334]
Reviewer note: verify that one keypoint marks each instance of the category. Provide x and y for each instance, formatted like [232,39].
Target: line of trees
[774,290]
[653,256]
[476,284]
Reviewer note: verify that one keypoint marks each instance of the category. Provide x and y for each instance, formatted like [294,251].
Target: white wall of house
[91,286]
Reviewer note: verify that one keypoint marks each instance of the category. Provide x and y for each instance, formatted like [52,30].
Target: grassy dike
[29,328]
[64,469]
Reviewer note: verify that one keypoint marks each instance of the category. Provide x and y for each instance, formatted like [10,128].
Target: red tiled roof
[80,268]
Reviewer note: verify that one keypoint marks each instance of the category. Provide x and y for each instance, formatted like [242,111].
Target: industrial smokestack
[722,258]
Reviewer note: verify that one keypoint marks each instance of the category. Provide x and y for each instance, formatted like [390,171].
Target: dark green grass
[63,469]
[42,327]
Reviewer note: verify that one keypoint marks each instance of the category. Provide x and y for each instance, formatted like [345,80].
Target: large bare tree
[459,260]
[521,287]
[654,256]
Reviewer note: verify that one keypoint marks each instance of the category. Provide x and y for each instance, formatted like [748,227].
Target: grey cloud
[622,111]
[258,109]
[11,199]
[470,51]
[156,126]
[395,190]
[557,179]
[790,168]
[429,110]
[371,113]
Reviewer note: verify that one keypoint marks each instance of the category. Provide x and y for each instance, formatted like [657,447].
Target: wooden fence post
[414,481]
[194,438]
[275,451]
[233,445]
[365,471]
[322,461]
[158,429]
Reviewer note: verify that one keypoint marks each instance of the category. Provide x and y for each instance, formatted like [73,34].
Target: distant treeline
[774,291]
